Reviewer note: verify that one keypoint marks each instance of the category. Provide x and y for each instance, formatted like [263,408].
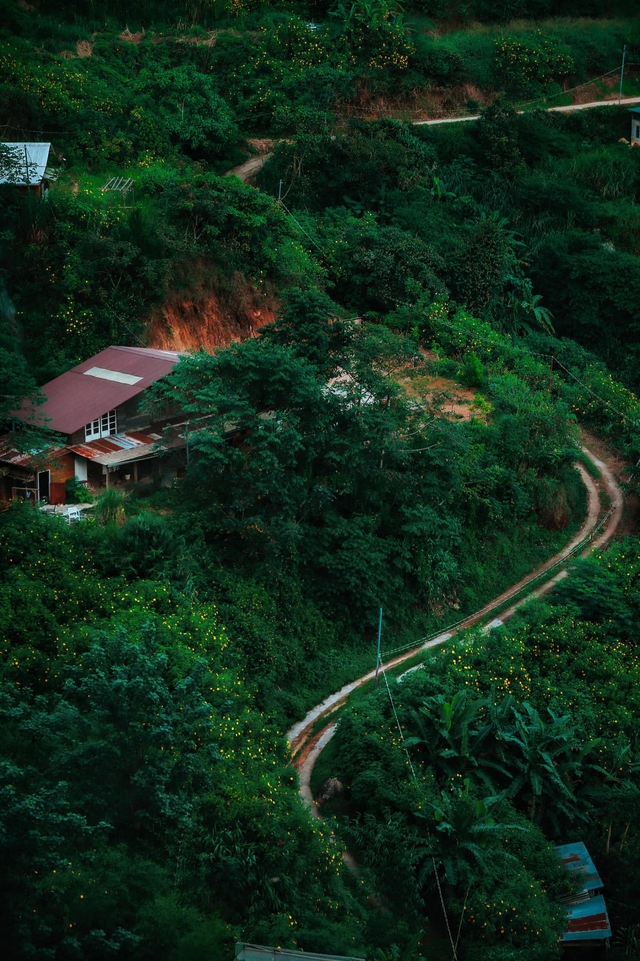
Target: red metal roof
[117,448]
[10,455]
[594,922]
[76,398]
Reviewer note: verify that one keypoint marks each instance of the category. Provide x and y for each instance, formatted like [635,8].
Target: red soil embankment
[203,320]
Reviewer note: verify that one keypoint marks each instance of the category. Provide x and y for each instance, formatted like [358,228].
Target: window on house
[108,423]
[638,131]
[101,427]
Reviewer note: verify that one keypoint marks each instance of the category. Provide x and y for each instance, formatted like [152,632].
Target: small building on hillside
[24,165]
[259,952]
[587,918]
[102,431]
[634,140]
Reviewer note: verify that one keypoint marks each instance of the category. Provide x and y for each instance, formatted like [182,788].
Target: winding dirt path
[569,108]
[247,170]
[598,528]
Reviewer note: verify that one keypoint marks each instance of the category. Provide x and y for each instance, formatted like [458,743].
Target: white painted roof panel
[28,163]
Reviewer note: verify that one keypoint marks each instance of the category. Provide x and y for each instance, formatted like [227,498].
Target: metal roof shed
[587,918]
[588,921]
[258,952]
[27,164]
[577,860]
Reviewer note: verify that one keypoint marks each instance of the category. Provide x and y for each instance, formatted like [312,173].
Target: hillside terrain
[392,336]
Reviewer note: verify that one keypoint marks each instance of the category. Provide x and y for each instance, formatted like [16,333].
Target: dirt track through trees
[599,525]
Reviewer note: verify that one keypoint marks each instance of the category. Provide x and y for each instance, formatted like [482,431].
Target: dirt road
[249,168]
[599,526]
[629,101]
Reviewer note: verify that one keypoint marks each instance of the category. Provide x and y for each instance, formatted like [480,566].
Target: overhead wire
[415,778]
[305,232]
[507,596]
[454,944]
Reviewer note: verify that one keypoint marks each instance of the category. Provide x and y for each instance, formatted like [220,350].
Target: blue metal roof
[588,920]
[27,163]
[634,109]
[576,858]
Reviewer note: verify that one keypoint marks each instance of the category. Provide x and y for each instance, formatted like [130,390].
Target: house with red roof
[103,430]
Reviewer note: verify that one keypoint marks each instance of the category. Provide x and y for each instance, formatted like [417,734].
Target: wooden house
[102,433]
[634,139]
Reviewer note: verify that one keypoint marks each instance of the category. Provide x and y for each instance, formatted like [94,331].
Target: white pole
[624,54]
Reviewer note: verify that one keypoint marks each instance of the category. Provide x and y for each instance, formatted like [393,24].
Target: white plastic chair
[73,513]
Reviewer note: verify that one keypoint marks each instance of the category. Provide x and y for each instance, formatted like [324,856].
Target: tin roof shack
[634,139]
[258,952]
[588,921]
[24,165]
[34,475]
[97,410]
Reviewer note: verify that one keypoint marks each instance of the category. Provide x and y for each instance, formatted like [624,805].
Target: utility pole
[26,166]
[280,186]
[378,658]
[624,55]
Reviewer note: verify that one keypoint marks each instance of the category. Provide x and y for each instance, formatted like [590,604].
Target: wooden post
[135,472]
[106,476]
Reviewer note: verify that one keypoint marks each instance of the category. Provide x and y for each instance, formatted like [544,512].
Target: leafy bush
[524,63]
[77,492]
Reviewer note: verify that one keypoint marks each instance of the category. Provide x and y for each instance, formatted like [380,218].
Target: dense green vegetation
[526,736]
[147,804]
[152,657]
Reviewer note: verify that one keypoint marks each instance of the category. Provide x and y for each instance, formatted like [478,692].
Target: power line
[550,357]
[433,860]
[282,204]
[39,130]
[586,387]
[507,596]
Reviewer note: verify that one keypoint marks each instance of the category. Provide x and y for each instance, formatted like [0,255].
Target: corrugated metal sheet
[588,921]
[577,860]
[126,447]
[73,400]
[587,918]
[258,952]
[116,449]
[9,455]
[29,169]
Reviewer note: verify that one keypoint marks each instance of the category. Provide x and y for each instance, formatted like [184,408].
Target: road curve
[306,746]
[569,108]
[247,170]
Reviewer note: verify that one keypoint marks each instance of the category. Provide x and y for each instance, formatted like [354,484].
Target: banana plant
[458,736]
[467,841]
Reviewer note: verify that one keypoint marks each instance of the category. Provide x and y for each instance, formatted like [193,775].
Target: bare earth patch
[208,41]
[445,397]
[202,321]
[261,146]
[128,37]
[84,48]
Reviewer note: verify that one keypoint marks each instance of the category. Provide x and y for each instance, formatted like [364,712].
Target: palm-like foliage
[538,761]
[458,736]
[467,838]
[548,759]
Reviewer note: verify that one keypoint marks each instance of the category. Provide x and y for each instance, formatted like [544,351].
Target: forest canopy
[393,336]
